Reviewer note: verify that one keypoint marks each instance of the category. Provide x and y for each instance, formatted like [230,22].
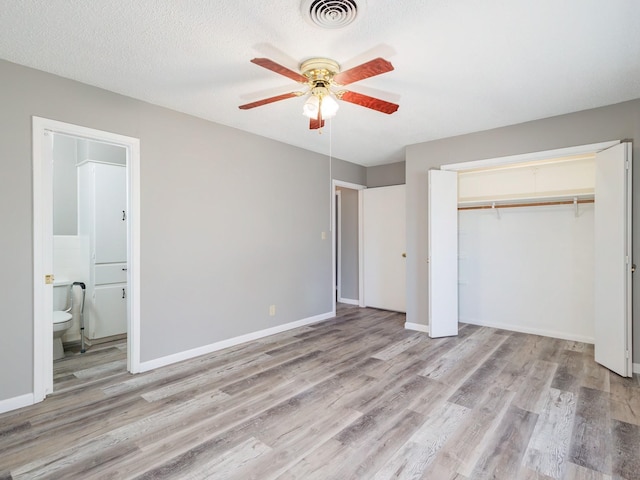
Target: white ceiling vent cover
[331,13]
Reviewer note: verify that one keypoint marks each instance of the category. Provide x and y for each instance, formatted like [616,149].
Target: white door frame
[359,188]
[43,245]
[338,244]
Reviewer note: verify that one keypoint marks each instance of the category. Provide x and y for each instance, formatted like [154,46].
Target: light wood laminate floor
[355,397]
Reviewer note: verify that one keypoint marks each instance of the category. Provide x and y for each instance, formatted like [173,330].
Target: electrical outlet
[272,310]
[323,235]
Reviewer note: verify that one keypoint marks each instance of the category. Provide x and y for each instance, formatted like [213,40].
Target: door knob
[404,255]
[633,268]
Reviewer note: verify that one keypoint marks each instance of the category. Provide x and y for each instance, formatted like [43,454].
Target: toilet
[62,317]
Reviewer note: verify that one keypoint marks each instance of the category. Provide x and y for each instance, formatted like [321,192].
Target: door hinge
[626,354]
[49,279]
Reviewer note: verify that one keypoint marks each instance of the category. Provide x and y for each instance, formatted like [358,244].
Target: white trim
[16,402]
[530,157]
[352,186]
[418,327]
[88,160]
[533,331]
[133,246]
[636,368]
[348,301]
[42,240]
[337,228]
[42,320]
[361,248]
[359,188]
[629,254]
[196,352]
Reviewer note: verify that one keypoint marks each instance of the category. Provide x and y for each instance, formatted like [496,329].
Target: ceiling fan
[320,75]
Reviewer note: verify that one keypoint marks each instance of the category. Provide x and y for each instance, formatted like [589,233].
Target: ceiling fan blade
[316,123]
[371,68]
[276,67]
[266,101]
[369,102]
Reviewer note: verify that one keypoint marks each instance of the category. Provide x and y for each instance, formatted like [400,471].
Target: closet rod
[536,204]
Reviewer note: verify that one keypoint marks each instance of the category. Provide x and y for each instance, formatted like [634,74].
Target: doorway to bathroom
[86,243]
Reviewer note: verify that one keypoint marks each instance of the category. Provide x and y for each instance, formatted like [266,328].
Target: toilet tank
[60,294]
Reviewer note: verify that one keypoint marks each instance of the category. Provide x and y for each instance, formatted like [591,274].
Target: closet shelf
[543,199]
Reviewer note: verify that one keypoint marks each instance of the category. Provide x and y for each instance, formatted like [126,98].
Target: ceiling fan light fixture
[311,107]
[328,106]
[320,99]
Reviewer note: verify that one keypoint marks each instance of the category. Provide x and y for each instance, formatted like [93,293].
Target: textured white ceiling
[460,66]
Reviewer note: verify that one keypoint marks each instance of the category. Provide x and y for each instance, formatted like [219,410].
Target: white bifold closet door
[384,235]
[443,253]
[612,288]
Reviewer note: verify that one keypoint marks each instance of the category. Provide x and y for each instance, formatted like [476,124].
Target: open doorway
[69,256]
[347,243]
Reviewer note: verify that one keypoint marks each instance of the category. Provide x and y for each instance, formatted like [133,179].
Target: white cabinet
[110,311]
[110,213]
[102,215]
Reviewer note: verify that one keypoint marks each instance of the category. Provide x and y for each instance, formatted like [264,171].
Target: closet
[542,247]
[525,247]
[102,220]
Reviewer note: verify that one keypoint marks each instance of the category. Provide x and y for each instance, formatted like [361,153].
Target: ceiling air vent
[331,13]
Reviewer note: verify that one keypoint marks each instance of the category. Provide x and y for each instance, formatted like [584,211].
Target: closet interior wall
[528,267]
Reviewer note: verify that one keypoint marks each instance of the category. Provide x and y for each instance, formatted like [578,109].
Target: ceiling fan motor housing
[319,69]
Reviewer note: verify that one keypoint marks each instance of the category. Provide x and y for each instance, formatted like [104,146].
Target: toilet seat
[61,321]
[60,317]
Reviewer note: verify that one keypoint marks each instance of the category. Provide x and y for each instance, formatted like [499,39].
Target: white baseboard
[196,352]
[16,402]
[418,327]
[533,331]
[636,368]
[349,301]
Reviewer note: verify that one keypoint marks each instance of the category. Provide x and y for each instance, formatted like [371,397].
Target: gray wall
[349,242]
[386,175]
[348,172]
[615,122]
[230,222]
[65,186]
